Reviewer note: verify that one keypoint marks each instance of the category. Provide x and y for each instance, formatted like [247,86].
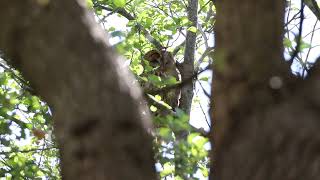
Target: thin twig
[179,85]
[27,151]
[204,91]
[127,15]
[22,83]
[297,49]
[202,109]
[315,24]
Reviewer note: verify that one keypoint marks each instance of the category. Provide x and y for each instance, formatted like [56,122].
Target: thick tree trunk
[100,125]
[266,122]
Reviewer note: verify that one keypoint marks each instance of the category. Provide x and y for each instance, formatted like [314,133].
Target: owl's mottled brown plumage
[166,68]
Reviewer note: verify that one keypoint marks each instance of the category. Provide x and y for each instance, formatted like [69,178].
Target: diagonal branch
[27,151]
[313,6]
[182,84]
[203,56]
[127,15]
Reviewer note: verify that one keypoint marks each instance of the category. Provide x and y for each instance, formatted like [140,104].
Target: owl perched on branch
[165,67]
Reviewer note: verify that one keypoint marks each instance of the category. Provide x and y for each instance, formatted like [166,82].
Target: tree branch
[27,151]
[187,67]
[181,84]
[127,15]
[313,6]
[298,38]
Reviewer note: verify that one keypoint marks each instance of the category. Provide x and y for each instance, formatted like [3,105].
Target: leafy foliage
[27,145]
[167,23]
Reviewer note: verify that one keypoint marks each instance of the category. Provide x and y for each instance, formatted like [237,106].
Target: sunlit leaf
[168,168]
[165,132]
[119,3]
[192,29]
[204,79]
[287,42]
[153,108]
[137,69]
[89,3]
[304,45]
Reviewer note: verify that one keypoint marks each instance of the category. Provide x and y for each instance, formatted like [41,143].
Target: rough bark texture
[266,122]
[99,122]
[187,69]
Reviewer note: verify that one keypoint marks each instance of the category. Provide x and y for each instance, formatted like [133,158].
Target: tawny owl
[166,68]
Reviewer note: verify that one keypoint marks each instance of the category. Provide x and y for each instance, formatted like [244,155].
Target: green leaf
[29,126]
[4,128]
[148,22]
[4,112]
[214,8]
[153,108]
[119,3]
[204,78]
[13,101]
[165,132]
[144,79]
[200,141]
[177,178]
[204,171]
[191,137]
[157,97]
[4,142]
[287,42]
[111,29]
[184,21]
[192,29]
[170,81]
[117,34]
[137,69]
[35,103]
[304,45]
[89,3]
[168,168]
[156,80]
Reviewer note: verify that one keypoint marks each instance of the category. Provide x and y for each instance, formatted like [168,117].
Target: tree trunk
[187,70]
[187,67]
[266,122]
[101,127]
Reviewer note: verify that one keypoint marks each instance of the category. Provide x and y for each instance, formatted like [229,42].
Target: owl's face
[154,58]
[163,59]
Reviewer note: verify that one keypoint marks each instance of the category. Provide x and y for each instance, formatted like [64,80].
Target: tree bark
[266,122]
[187,67]
[187,70]
[100,124]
